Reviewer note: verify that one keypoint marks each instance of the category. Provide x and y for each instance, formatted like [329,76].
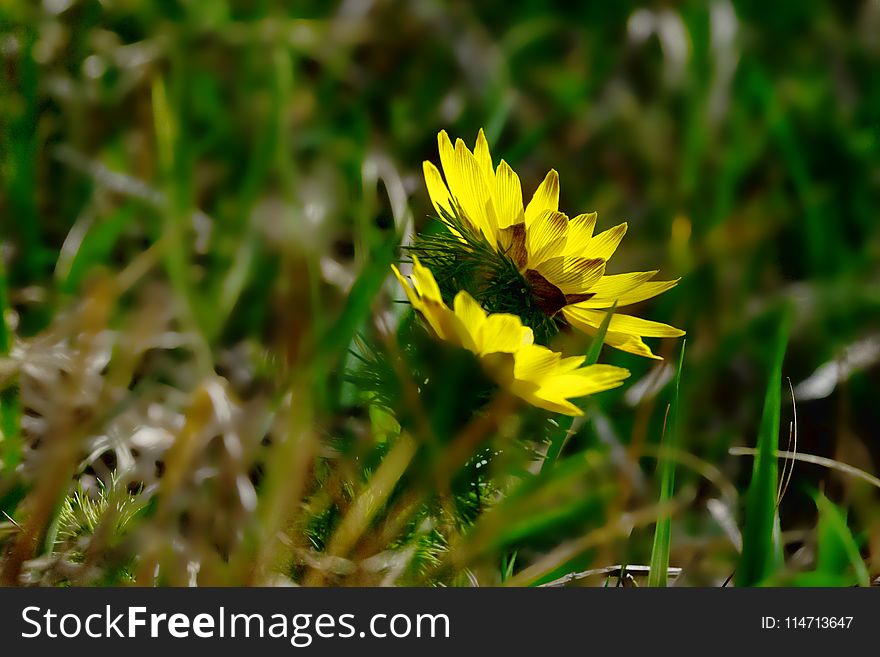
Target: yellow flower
[560,258]
[506,348]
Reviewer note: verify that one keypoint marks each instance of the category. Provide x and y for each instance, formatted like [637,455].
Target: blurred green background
[276,148]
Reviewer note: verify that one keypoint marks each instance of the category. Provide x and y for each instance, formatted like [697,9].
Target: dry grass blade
[815,460]
[286,480]
[788,466]
[369,502]
[608,571]
[622,526]
[66,435]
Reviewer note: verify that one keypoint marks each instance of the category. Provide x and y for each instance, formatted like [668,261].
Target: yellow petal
[545,237]
[437,189]
[469,188]
[544,379]
[587,380]
[569,364]
[552,402]
[573,275]
[580,232]
[447,155]
[502,332]
[542,398]
[607,292]
[507,196]
[605,244]
[630,343]
[484,159]
[403,282]
[424,282]
[622,323]
[618,284]
[471,318]
[424,295]
[468,310]
[546,198]
[535,362]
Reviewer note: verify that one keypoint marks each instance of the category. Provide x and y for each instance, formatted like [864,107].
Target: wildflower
[506,348]
[561,262]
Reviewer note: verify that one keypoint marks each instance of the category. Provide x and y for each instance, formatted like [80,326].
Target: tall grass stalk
[758,555]
[663,531]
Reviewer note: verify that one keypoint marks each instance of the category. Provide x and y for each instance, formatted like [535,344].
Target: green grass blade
[599,339]
[19,151]
[838,550]
[95,250]
[663,531]
[758,555]
[560,433]
[557,441]
[175,179]
[337,340]
[10,406]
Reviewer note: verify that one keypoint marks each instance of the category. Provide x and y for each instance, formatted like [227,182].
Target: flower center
[549,298]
